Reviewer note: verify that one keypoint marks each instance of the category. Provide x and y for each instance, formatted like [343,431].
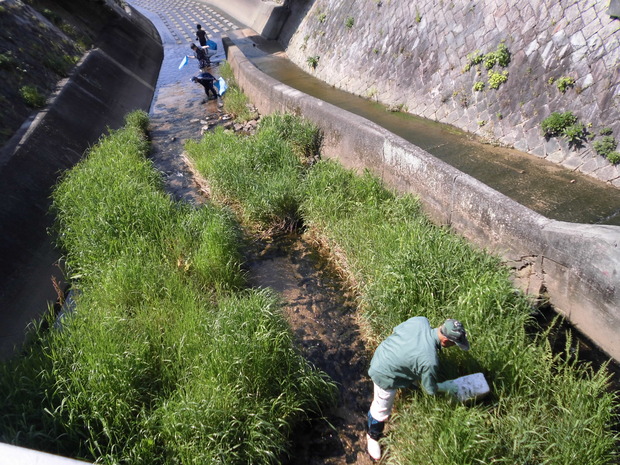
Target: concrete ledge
[265,17]
[576,266]
[109,82]
[12,455]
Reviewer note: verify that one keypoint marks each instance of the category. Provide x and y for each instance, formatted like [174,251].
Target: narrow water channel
[542,186]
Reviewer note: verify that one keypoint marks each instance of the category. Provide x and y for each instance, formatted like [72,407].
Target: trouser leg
[375,427]
[382,403]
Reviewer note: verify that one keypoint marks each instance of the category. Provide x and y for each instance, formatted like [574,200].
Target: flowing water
[542,186]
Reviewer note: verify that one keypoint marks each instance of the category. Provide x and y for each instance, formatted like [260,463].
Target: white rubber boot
[374,448]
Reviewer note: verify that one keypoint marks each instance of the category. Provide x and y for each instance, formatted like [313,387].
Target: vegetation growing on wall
[606,147]
[313,61]
[567,126]
[500,57]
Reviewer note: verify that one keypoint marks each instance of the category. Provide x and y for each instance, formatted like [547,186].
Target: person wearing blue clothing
[206,80]
[408,357]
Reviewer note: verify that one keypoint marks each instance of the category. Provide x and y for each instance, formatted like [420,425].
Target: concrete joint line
[455,178]
[127,70]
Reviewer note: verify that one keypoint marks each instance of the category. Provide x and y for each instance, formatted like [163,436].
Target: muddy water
[323,321]
[542,186]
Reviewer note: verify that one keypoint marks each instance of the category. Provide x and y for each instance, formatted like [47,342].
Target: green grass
[166,358]
[544,408]
[32,96]
[236,102]
[262,173]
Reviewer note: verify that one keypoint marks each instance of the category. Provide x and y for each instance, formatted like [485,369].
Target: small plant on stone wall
[305,42]
[7,61]
[473,59]
[575,134]
[418,17]
[479,86]
[313,61]
[564,83]
[322,17]
[348,23]
[496,79]
[556,123]
[606,147]
[399,107]
[565,125]
[32,97]
[501,57]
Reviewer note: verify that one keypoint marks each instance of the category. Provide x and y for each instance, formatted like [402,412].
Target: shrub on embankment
[544,408]
[165,357]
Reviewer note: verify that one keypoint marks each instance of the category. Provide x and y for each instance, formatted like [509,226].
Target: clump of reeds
[263,173]
[544,408]
[236,103]
[165,358]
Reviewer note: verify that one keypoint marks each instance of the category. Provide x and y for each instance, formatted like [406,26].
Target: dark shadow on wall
[298,9]
[276,22]
[112,80]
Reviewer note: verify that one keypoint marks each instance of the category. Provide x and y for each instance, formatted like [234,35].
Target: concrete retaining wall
[413,54]
[112,80]
[577,266]
[265,17]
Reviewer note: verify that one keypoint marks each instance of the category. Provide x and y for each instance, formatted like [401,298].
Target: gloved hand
[448,387]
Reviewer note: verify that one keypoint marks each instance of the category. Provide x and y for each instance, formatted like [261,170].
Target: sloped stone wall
[412,56]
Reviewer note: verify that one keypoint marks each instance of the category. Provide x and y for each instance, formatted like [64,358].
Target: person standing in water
[201,55]
[206,80]
[201,35]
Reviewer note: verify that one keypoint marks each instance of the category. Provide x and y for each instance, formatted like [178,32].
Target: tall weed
[164,359]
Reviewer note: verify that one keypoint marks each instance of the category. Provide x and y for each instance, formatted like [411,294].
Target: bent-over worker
[408,357]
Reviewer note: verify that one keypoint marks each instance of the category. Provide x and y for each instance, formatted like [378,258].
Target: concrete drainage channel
[599,252]
[575,265]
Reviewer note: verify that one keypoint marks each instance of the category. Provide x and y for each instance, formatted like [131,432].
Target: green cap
[454,331]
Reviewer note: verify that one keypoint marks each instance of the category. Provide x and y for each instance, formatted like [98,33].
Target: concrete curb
[111,80]
[576,266]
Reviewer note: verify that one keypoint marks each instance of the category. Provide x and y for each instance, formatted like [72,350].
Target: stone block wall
[413,55]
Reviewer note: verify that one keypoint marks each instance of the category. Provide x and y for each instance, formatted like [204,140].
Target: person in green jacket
[408,357]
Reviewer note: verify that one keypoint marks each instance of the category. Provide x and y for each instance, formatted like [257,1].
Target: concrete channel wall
[413,56]
[113,79]
[577,266]
[265,17]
